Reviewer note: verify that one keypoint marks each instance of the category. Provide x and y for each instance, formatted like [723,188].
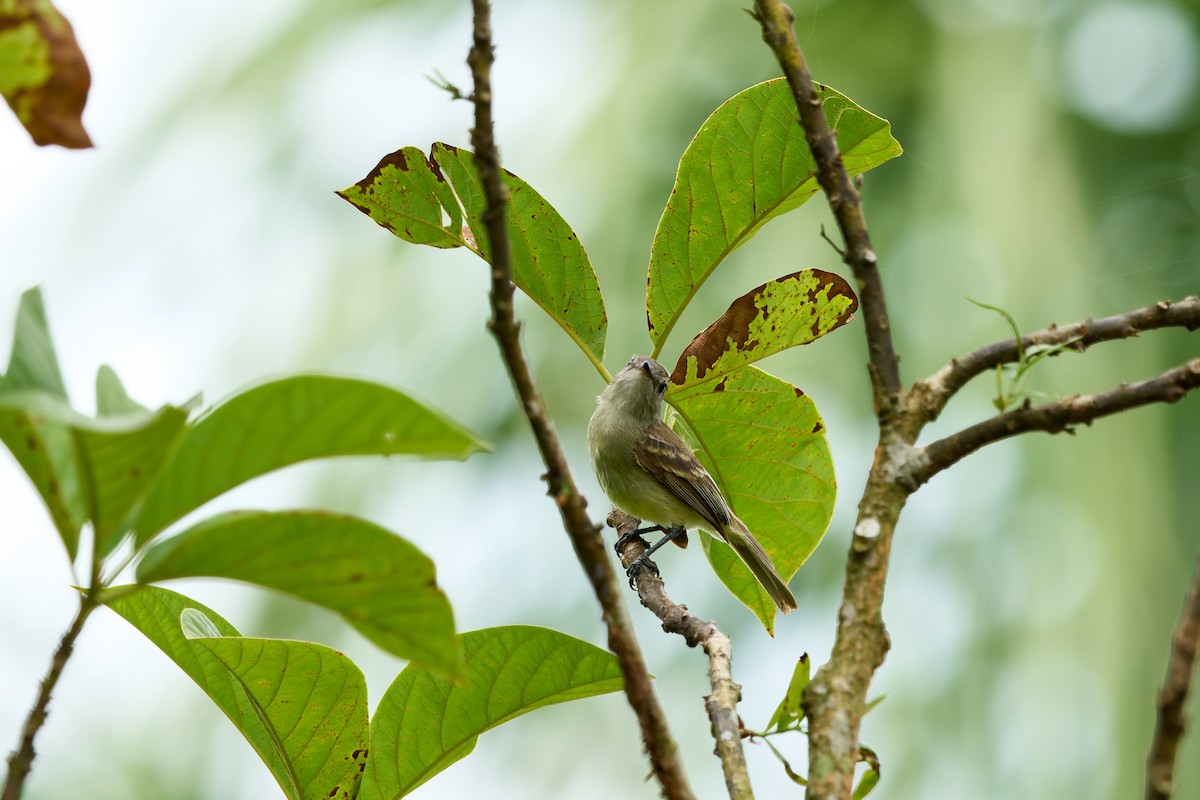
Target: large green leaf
[748,164]
[43,74]
[788,311]
[291,420]
[383,585]
[764,443]
[423,200]
[303,707]
[425,723]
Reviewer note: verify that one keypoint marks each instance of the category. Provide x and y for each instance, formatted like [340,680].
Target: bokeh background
[1052,167]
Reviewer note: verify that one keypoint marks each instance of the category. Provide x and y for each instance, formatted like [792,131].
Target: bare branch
[1053,417]
[777,21]
[936,390]
[721,705]
[1160,766]
[21,759]
[585,536]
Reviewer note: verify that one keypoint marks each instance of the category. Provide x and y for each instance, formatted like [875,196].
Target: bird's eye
[662,387]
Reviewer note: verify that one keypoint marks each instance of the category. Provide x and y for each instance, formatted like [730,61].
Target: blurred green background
[1052,167]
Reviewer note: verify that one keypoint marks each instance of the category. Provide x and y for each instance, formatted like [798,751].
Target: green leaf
[84,468]
[870,778]
[423,200]
[748,164]
[381,584]
[288,421]
[33,364]
[111,398]
[301,706]
[425,723]
[43,74]
[764,444]
[46,450]
[790,712]
[786,312]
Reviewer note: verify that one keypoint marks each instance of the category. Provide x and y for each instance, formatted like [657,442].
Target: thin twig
[585,536]
[1052,417]
[721,705]
[777,21]
[834,698]
[1160,766]
[936,390]
[20,762]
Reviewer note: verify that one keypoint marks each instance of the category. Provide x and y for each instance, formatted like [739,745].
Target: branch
[1160,767]
[936,390]
[20,762]
[721,705]
[1053,417]
[585,536]
[777,21]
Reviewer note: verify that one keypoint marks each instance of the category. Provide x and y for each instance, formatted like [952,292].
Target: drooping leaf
[43,74]
[748,164]
[789,712]
[425,723]
[288,421]
[47,453]
[381,584]
[764,443]
[870,778]
[424,200]
[786,312]
[84,468]
[302,707]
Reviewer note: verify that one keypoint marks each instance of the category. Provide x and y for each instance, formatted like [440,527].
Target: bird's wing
[671,462]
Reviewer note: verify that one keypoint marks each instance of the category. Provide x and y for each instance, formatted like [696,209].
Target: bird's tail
[751,552]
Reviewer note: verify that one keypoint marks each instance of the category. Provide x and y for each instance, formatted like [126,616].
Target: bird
[649,472]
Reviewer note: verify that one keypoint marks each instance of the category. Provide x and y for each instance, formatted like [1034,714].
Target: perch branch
[777,21]
[721,705]
[1052,417]
[936,390]
[585,536]
[1160,766]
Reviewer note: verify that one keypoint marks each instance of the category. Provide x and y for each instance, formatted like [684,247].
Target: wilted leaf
[764,444]
[786,312]
[425,723]
[439,201]
[748,164]
[303,707]
[43,74]
[288,421]
[381,584]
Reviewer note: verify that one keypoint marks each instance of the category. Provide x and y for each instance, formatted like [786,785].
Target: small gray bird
[648,471]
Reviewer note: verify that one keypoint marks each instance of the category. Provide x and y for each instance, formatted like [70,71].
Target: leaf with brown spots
[790,311]
[748,164]
[763,444]
[43,74]
[381,584]
[438,200]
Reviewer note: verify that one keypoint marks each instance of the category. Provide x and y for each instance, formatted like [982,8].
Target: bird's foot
[626,538]
[636,567]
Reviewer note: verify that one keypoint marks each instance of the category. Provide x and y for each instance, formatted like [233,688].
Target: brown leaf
[750,317]
[44,77]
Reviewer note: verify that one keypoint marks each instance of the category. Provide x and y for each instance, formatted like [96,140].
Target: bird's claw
[636,567]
